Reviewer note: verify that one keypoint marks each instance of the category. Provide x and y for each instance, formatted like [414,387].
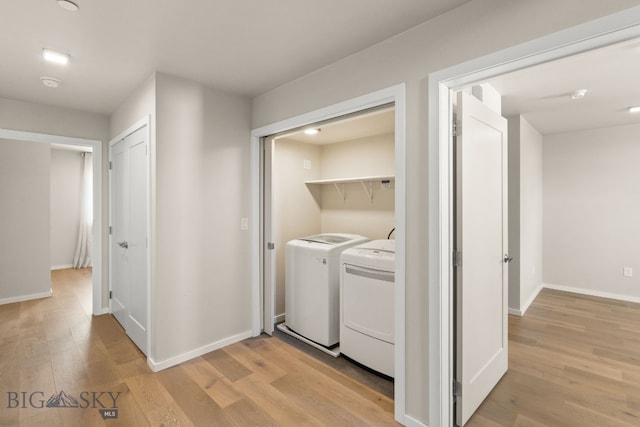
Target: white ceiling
[246,47]
[541,93]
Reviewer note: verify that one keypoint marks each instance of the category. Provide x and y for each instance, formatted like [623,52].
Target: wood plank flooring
[573,361]
[54,344]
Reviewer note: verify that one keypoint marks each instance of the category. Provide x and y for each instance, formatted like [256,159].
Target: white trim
[592,293]
[396,95]
[30,297]
[532,298]
[61,267]
[96,250]
[102,311]
[601,32]
[176,360]
[144,122]
[279,318]
[409,421]
[522,310]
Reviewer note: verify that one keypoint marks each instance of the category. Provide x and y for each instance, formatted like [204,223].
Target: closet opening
[329,237]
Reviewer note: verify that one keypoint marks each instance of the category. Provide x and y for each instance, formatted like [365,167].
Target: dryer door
[368,301]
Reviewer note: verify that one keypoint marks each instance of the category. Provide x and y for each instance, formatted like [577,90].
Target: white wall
[371,156]
[470,31]
[24,220]
[30,117]
[296,206]
[66,178]
[525,213]
[592,211]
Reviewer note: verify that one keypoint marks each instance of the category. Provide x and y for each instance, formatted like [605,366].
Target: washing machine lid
[377,254]
[333,238]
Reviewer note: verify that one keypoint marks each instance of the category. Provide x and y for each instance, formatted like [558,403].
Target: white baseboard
[409,421]
[21,298]
[279,318]
[103,310]
[515,312]
[522,310]
[61,267]
[592,293]
[176,360]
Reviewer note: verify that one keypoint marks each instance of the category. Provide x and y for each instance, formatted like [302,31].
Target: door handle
[507,258]
[124,244]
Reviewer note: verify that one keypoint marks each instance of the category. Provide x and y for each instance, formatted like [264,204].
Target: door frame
[601,32]
[396,95]
[144,122]
[96,229]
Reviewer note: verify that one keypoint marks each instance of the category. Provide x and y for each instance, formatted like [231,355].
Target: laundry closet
[339,180]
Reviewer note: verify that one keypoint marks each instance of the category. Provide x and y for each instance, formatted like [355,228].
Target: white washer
[367,322]
[312,285]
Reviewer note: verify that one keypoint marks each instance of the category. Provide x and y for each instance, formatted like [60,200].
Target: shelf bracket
[369,190]
[342,190]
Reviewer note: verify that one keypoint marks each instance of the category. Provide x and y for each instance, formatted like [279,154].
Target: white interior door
[481,239]
[119,232]
[268,239]
[129,243]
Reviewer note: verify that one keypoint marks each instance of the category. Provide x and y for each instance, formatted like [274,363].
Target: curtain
[82,257]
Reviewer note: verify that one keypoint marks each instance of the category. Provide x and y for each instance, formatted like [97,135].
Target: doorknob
[124,244]
[507,258]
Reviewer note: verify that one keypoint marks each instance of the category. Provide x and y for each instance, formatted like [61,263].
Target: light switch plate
[244,223]
[627,272]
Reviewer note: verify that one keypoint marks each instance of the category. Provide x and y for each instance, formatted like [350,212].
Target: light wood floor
[573,361]
[53,344]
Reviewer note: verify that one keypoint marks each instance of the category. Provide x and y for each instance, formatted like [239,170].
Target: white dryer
[312,285]
[367,321]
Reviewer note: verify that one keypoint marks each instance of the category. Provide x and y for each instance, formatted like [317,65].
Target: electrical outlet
[244,223]
[627,272]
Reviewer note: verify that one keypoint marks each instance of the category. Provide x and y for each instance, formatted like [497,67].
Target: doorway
[393,95]
[599,33]
[96,146]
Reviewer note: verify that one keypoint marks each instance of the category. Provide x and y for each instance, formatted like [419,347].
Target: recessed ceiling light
[55,57]
[635,109]
[68,5]
[578,94]
[50,81]
[312,131]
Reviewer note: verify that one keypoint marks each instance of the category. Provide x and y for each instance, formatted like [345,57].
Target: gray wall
[473,30]
[592,211]
[200,189]
[24,220]
[525,213]
[30,117]
[202,288]
[66,177]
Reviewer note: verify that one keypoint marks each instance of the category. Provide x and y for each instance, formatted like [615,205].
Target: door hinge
[110,165]
[271,246]
[110,294]
[457,388]
[457,259]
[110,229]
[456,129]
